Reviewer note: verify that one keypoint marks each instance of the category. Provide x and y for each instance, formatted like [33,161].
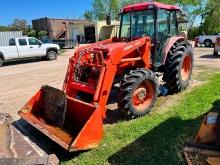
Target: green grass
[159,137]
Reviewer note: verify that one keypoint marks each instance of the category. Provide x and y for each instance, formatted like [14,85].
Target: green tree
[88,15]
[211,22]
[31,33]
[20,25]
[102,8]
[194,32]
[42,33]
[128,2]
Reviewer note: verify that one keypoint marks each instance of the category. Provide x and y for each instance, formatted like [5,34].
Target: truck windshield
[142,24]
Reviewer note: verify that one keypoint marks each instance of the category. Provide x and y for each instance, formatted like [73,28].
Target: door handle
[31,47]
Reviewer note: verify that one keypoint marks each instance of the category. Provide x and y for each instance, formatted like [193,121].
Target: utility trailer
[217,47]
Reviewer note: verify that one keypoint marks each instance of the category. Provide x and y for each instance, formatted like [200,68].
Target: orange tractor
[148,45]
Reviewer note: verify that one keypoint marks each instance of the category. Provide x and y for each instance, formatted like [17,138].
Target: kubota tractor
[148,45]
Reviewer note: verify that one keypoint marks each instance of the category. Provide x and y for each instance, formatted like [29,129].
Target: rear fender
[168,45]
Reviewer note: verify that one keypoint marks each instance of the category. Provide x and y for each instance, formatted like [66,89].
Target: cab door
[35,47]
[23,48]
[167,27]
[162,26]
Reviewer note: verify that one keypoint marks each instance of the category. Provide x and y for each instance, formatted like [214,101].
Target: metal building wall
[6,36]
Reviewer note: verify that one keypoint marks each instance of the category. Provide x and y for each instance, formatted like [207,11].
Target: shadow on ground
[113,114]
[163,144]
[21,62]
[210,56]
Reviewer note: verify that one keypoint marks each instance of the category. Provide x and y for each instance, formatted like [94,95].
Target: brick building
[57,28]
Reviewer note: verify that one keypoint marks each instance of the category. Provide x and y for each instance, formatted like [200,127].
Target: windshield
[142,24]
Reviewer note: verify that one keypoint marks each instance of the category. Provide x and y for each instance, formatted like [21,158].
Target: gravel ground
[20,81]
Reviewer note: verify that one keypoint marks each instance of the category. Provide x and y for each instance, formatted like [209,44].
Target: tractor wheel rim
[186,68]
[143,95]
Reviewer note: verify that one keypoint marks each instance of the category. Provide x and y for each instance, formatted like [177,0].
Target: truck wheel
[208,43]
[138,93]
[51,55]
[1,62]
[178,67]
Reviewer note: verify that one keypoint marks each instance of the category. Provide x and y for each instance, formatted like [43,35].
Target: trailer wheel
[138,93]
[1,62]
[178,67]
[215,53]
[208,43]
[51,55]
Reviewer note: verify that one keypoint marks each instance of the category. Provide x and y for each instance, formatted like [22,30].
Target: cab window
[33,41]
[173,23]
[142,24]
[163,24]
[22,42]
[12,42]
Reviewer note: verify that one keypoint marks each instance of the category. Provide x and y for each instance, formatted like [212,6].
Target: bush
[193,33]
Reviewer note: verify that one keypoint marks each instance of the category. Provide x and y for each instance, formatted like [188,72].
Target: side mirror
[40,44]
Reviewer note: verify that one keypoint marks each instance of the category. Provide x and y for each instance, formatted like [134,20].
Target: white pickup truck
[27,47]
[208,40]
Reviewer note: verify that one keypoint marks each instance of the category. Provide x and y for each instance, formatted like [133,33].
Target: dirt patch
[20,81]
[204,57]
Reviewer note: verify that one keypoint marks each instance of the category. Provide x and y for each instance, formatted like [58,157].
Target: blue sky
[32,9]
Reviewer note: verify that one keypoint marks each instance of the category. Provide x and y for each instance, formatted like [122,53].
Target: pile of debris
[205,150]
[17,149]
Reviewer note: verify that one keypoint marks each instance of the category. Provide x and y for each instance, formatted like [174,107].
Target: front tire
[178,67]
[52,55]
[138,93]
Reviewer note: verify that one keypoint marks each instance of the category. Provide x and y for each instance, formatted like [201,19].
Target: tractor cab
[155,20]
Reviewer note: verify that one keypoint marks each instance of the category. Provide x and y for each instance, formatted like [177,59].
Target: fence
[6,36]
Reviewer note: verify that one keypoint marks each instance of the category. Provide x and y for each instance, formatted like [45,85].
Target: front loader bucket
[73,124]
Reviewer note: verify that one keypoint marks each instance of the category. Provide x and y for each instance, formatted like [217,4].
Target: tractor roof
[145,5]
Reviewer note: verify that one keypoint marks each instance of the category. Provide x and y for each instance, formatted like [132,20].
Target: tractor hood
[109,46]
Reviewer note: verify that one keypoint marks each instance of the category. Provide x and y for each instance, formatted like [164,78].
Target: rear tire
[138,93]
[52,55]
[178,67]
